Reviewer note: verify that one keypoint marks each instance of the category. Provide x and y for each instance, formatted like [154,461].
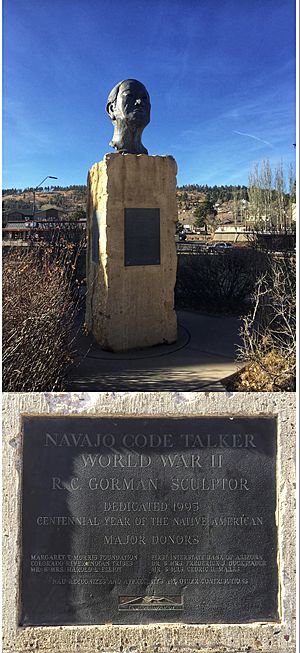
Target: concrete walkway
[203,355]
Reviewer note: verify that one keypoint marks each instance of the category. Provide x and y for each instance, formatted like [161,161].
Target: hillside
[73,199]
[69,200]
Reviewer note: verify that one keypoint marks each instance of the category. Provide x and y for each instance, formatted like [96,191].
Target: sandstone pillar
[131,251]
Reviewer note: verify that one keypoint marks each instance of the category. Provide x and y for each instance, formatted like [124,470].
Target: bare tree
[270,208]
[266,190]
[254,194]
[292,193]
[280,197]
[235,204]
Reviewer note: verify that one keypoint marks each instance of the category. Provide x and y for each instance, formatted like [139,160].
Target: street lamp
[48,177]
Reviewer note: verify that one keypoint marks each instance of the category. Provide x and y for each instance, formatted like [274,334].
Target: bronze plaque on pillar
[136,520]
[141,237]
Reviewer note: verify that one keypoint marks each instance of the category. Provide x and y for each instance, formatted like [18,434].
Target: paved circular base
[182,341]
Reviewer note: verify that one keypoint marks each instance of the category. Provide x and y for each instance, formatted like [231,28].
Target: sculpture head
[128,107]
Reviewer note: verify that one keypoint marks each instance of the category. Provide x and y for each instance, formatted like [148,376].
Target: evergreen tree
[203,212]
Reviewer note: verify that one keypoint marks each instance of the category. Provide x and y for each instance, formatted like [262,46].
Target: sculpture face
[128,107]
[132,104]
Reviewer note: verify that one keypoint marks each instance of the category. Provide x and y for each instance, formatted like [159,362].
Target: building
[231,234]
[47,212]
[29,230]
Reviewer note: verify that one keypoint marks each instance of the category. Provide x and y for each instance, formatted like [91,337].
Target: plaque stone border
[274,637]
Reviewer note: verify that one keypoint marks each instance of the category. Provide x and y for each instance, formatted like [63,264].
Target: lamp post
[48,177]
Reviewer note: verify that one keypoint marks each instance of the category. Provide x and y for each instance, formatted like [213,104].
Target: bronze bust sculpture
[128,107]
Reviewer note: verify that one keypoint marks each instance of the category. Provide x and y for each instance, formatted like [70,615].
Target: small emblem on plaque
[150,602]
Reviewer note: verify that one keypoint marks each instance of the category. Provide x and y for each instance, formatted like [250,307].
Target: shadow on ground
[204,354]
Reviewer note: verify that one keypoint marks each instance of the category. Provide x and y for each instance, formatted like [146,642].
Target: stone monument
[131,223]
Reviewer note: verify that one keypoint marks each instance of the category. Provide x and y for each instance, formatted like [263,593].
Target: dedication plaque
[133,520]
[142,236]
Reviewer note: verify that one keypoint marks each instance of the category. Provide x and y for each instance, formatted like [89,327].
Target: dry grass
[39,307]
[272,373]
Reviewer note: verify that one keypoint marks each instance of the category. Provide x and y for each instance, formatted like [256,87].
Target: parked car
[219,246]
[180,236]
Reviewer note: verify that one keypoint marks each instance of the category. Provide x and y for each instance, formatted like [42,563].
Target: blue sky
[220,73]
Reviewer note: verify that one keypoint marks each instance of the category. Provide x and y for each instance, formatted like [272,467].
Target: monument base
[131,251]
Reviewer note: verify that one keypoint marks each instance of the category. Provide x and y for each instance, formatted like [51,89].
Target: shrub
[269,332]
[221,282]
[40,301]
